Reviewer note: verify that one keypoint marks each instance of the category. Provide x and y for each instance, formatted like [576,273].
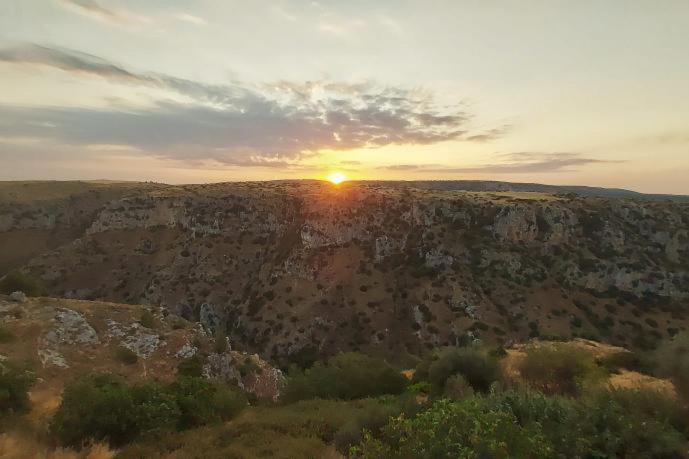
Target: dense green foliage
[17,281]
[529,424]
[191,367]
[345,376]
[476,367]
[14,387]
[104,408]
[303,429]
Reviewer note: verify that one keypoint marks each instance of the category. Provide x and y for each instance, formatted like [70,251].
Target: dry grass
[624,379]
[14,445]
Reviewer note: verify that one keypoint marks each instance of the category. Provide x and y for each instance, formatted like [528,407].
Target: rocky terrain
[87,337]
[298,270]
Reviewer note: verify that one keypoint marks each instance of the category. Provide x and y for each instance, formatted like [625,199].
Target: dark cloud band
[232,122]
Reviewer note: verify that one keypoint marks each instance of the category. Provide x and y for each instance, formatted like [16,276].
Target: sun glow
[336,177]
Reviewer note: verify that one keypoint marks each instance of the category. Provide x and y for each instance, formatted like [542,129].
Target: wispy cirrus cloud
[97,11]
[191,19]
[235,122]
[514,163]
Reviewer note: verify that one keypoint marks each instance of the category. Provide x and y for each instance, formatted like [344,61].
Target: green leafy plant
[346,376]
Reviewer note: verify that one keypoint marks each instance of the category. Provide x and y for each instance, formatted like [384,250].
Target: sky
[188,91]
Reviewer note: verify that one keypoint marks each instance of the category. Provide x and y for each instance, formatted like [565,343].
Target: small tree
[14,387]
[478,368]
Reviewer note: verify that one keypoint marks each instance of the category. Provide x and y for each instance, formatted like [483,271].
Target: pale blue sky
[576,92]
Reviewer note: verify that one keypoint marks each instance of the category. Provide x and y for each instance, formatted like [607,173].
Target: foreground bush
[673,362]
[15,383]
[346,377]
[557,368]
[528,424]
[473,364]
[106,409]
[305,429]
[202,402]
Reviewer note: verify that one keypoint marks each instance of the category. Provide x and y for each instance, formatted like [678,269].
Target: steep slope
[297,270]
[63,340]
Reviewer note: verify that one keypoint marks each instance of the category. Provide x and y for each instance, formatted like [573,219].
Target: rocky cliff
[295,270]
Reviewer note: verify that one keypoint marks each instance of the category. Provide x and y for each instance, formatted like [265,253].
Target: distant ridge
[489,185]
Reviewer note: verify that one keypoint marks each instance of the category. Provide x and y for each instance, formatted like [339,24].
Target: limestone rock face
[138,339]
[516,223]
[69,327]
[398,266]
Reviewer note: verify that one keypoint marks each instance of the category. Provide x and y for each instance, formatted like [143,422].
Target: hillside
[299,270]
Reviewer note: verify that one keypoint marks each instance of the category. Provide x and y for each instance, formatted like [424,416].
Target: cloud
[191,19]
[402,167]
[526,162]
[231,123]
[97,11]
[487,136]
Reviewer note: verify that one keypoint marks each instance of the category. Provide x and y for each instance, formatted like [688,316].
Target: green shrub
[147,320]
[672,359]
[191,367]
[220,342]
[474,364]
[463,429]
[529,424]
[22,282]
[104,408]
[126,356]
[557,369]
[15,382]
[371,418]
[626,360]
[346,376]
[457,387]
[203,402]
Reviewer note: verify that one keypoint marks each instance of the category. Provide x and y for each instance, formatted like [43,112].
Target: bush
[220,342]
[557,369]
[22,282]
[627,360]
[463,429]
[371,418]
[104,408]
[126,356]
[673,362]
[528,424]
[474,364]
[191,367]
[457,387]
[203,402]
[347,376]
[147,319]
[15,382]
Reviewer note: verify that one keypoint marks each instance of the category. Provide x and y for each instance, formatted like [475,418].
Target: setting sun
[336,177]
